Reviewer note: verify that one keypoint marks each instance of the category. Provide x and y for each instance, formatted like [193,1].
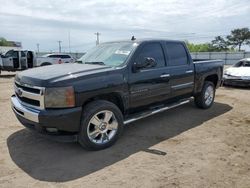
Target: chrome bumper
[26,112]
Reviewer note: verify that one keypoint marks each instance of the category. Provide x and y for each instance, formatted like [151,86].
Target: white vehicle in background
[1,63]
[51,59]
[238,74]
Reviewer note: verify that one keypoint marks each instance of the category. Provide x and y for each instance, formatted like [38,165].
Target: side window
[23,54]
[177,54]
[152,50]
[65,56]
[53,56]
[9,53]
[15,54]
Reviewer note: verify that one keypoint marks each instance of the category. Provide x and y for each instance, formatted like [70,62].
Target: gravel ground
[183,147]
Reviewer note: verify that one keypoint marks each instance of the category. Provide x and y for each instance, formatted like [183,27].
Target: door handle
[189,71]
[165,75]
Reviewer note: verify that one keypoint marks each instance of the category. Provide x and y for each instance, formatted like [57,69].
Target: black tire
[89,111]
[200,99]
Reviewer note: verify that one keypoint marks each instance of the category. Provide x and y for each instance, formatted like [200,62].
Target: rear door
[181,69]
[149,85]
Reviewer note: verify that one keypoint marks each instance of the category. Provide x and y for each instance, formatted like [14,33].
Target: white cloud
[46,21]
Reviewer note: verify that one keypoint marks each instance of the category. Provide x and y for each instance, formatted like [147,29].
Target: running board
[152,112]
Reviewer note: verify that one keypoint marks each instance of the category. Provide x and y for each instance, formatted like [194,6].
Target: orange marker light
[70,97]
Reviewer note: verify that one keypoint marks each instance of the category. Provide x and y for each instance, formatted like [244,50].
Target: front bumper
[236,82]
[48,121]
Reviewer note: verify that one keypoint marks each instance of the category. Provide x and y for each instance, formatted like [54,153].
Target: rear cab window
[177,54]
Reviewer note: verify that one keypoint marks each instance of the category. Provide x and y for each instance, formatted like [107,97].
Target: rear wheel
[101,125]
[205,98]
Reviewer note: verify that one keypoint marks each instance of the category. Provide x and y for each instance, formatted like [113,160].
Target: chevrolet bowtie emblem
[19,92]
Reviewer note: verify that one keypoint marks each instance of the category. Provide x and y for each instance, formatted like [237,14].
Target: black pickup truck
[113,84]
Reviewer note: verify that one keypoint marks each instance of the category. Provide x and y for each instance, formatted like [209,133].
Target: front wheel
[205,98]
[101,125]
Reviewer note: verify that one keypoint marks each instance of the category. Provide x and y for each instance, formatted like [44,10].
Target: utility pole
[60,48]
[97,38]
[69,42]
[37,45]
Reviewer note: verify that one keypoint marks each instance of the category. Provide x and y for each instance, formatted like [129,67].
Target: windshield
[45,55]
[242,64]
[110,54]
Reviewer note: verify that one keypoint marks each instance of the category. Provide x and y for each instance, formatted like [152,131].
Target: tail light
[59,61]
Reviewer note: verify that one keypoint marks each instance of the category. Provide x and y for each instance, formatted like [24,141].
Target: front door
[8,60]
[149,85]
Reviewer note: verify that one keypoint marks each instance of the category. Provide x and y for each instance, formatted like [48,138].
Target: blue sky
[47,21]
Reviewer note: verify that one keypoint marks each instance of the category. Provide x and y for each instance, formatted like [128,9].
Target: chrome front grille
[31,96]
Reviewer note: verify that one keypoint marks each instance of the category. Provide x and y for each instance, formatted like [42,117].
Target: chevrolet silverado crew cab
[113,84]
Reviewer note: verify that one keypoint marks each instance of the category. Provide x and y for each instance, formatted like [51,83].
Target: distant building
[12,45]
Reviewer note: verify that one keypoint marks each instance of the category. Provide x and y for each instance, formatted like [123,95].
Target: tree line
[4,42]
[232,42]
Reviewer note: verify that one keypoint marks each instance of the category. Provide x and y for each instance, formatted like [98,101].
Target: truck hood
[53,75]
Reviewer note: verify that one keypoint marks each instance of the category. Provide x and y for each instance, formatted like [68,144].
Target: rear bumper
[59,121]
[236,82]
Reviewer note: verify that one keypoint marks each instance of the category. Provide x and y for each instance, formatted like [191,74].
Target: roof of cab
[145,40]
[245,59]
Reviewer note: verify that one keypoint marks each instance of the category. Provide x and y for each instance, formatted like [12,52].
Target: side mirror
[2,56]
[148,62]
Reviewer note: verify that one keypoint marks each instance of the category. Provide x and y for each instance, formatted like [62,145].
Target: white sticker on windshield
[123,52]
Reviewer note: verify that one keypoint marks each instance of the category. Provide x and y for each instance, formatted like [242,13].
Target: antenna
[133,38]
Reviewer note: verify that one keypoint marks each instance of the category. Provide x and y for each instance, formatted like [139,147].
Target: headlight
[229,76]
[60,97]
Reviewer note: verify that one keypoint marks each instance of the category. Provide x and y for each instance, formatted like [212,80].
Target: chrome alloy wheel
[102,127]
[209,95]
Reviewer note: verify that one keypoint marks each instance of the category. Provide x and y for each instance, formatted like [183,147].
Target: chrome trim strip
[27,94]
[189,71]
[29,114]
[181,86]
[30,86]
[165,75]
[156,111]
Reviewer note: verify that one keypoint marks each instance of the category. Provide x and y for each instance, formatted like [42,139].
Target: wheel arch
[212,78]
[115,98]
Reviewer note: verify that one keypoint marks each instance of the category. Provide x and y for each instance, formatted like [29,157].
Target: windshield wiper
[95,63]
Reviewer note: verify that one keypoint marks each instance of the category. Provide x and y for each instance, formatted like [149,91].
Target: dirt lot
[184,147]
